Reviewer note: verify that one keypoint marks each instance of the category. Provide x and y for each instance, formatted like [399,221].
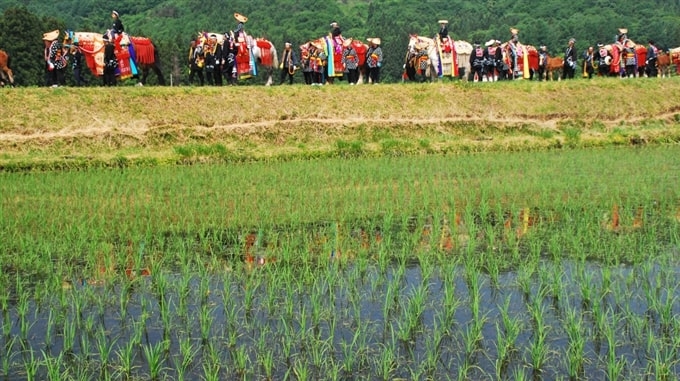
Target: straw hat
[347,42]
[623,30]
[51,36]
[334,25]
[572,40]
[375,40]
[240,18]
[514,31]
[443,21]
[490,42]
[317,45]
[115,13]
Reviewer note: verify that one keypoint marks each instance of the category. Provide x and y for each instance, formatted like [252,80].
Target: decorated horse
[136,55]
[625,58]
[463,52]
[422,59]
[675,58]
[520,59]
[6,75]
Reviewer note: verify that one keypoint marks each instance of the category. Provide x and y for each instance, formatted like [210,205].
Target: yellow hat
[375,40]
[514,31]
[240,18]
[443,21]
[51,36]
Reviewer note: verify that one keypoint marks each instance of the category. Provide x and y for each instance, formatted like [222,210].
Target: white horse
[463,52]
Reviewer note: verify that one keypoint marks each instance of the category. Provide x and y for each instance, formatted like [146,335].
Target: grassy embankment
[44,128]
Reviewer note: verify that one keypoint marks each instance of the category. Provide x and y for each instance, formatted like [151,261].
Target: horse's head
[412,41]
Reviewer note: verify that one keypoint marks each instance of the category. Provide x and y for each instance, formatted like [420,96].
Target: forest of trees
[172,23]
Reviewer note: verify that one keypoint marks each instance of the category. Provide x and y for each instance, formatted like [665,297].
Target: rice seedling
[211,370]
[662,363]
[53,366]
[205,318]
[266,361]
[575,354]
[8,356]
[386,363]
[154,354]
[31,365]
[538,349]
[615,366]
[69,336]
[125,360]
[241,361]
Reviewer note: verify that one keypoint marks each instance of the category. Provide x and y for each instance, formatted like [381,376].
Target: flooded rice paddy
[541,266]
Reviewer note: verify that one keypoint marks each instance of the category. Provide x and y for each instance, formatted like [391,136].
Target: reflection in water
[357,320]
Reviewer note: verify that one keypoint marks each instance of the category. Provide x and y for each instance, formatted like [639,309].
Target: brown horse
[554,65]
[663,63]
[5,72]
[145,54]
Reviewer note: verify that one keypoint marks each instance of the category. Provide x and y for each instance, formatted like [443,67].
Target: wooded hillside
[172,23]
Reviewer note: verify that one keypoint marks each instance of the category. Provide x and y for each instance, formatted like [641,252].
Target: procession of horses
[426,59]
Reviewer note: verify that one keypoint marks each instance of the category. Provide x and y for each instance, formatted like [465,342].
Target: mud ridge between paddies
[181,124]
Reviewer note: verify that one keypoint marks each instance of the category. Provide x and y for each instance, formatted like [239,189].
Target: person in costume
[77,61]
[443,30]
[212,50]
[603,60]
[477,63]
[110,62]
[589,62]
[289,64]
[196,62]
[374,58]
[629,58]
[515,53]
[350,60]
[306,63]
[651,58]
[492,58]
[542,62]
[117,28]
[55,60]
[228,59]
[570,60]
[239,27]
[335,30]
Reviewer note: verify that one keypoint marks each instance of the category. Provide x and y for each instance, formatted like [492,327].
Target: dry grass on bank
[251,122]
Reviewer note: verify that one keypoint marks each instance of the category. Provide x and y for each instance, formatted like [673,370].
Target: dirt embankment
[45,124]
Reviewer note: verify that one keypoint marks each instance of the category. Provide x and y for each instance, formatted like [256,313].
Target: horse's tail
[275,57]
[156,56]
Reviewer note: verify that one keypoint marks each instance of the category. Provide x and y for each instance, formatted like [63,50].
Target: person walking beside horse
[542,62]
[289,64]
[651,60]
[55,60]
[110,62]
[589,62]
[374,58]
[351,61]
[569,60]
[77,62]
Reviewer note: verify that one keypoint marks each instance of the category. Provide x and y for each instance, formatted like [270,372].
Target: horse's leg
[270,73]
[159,73]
